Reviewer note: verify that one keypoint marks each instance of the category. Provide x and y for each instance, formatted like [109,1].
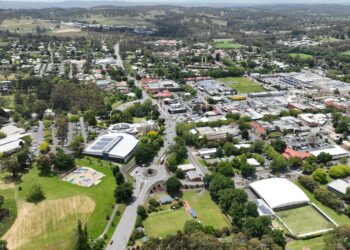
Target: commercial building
[339,186]
[115,146]
[279,193]
[336,152]
[133,128]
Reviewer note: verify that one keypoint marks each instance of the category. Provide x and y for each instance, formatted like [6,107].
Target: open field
[25,25]
[208,212]
[340,219]
[48,223]
[138,119]
[301,55]
[312,244]
[160,224]
[242,84]
[100,199]
[304,220]
[117,20]
[226,44]
[329,39]
[10,203]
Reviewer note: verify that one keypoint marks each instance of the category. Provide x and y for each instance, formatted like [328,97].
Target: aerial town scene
[174,125]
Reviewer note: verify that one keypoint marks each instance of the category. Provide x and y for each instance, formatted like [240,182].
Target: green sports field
[208,212]
[242,84]
[301,55]
[162,223]
[303,220]
[226,44]
[313,244]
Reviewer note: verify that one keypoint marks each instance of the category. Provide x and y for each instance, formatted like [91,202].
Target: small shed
[165,199]
[193,213]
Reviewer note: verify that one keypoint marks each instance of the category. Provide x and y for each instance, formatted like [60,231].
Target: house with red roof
[289,152]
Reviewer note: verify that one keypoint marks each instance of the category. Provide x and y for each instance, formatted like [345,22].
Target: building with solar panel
[117,147]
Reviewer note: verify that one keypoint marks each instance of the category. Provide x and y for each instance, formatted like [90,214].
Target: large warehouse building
[116,146]
[279,193]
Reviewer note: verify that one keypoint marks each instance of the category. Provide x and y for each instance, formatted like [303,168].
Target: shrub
[320,175]
[339,171]
[2,135]
[44,147]
[35,194]
[328,198]
[308,182]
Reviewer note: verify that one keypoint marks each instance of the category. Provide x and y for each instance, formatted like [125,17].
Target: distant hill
[192,3]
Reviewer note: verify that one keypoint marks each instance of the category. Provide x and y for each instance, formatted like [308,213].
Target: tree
[328,198]
[90,117]
[320,175]
[82,239]
[119,178]
[294,162]
[278,237]
[279,165]
[3,245]
[228,196]
[99,245]
[338,239]
[142,212]
[324,158]
[77,146]
[144,153]
[63,161]
[218,182]
[44,164]
[171,162]
[279,145]
[35,194]
[11,165]
[247,170]
[62,127]
[173,185]
[339,171]
[308,182]
[23,158]
[192,226]
[245,134]
[257,226]
[123,193]
[225,168]
[180,174]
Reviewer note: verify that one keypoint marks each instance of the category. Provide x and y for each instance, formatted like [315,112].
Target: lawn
[340,219]
[304,220]
[242,84]
[227,44]
[65,196]
[10,203]
[160,224]
[301,55]
[208,212]
[138,119]
[312,244]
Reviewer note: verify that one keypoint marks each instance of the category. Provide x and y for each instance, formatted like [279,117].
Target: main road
[143,184]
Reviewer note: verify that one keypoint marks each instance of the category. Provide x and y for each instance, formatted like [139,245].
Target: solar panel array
[102,143]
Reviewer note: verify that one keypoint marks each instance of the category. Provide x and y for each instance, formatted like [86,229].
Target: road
[83,129]
[195,163]
[118,57]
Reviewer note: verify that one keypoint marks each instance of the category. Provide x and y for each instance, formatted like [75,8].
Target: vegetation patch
[242,84]
[9,203]
[312,244]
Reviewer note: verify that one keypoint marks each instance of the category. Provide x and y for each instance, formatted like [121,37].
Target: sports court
[84,176]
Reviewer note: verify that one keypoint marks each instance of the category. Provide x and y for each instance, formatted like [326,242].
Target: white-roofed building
[115,146]
[253,162]
[336,152]
[13,141]
[186,167]
[279,193]
[339,186]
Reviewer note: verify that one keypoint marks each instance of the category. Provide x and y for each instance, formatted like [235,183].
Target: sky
[208,1]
